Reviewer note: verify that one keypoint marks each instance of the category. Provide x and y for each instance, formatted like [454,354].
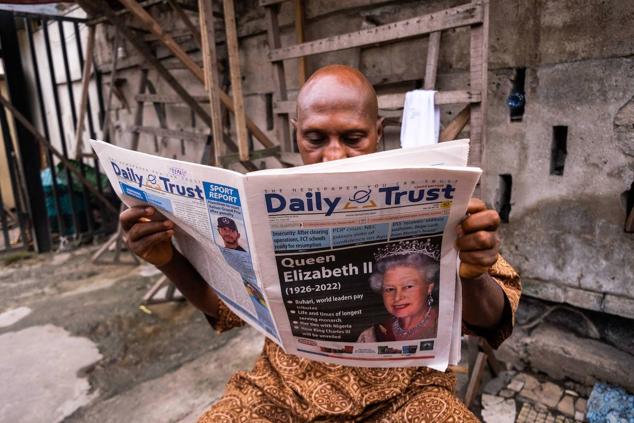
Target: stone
[547,393]
[497,409]
[494,386]
[561,355]
[515,385]
[567,406]
[581,404]
[506,393]
[579,416]
[619,305]
[571,393]
[13,316]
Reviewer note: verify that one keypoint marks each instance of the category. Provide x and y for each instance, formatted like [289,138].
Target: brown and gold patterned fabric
[286,388]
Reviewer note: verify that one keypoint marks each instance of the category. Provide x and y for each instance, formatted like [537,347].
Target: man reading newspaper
[337,117]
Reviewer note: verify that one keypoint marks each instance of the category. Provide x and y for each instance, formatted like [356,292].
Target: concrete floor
[74,346]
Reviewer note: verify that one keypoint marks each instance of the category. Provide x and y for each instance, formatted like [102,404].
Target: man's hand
[148,234]
[478,243]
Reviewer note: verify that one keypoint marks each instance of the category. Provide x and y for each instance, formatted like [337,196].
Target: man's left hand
[478,242]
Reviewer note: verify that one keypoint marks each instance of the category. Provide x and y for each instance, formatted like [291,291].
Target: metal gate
[55,201]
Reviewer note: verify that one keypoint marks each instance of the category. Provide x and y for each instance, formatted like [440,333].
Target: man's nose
[335,150]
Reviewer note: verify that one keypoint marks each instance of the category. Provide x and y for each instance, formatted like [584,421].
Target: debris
[497,383]
[506,393]
[497,409]
[567,406]
[547,393]
[144,309]
[610,404]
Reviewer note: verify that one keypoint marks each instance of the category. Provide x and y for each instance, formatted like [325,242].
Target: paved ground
[74,346]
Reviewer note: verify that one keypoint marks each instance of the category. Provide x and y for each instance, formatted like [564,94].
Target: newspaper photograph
[361,273]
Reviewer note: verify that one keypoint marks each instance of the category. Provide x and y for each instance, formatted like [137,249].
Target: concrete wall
[565,232]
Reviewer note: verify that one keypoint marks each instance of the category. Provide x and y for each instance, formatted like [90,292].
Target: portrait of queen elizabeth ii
[406,275]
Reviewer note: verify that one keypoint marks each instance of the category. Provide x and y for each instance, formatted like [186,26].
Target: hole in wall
[517,98]
[504,196]
[268,98]
[559,150]
[628,200]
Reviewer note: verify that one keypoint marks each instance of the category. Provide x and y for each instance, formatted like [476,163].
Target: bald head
[336,86]
[337,115]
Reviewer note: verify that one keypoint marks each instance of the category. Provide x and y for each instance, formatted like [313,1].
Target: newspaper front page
[350,262]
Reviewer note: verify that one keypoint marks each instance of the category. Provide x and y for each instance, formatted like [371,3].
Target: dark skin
[337,117]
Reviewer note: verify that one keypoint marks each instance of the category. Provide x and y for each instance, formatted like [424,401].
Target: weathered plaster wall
[565,233]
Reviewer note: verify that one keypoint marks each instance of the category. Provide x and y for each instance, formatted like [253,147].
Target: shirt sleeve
[509,280]
[226,319]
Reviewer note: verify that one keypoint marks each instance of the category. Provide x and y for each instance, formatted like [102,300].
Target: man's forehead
[332,95]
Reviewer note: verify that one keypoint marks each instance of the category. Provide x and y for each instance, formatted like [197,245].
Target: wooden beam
[193,67]
[271,2]
[479,46]
[168,98]
[171,133]
[40,138]
[474,380]
[431,67]
[236,78]
[464,15]
[122,12]
[299,38]
[451,131]
[210,61]
[138,112]
[280,122]
[396,101]
[85,86]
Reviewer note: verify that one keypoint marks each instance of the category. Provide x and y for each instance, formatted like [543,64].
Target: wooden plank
[468,14]
[478,52]
[40,138]
[474,380]
[188,23]
[105,127]
[179,134]
[629,222]
[138,112]
[122,12]
[396,101]
[299,39]
[431,66]
[208,37]
[191,65]
[451,131]
[255,154]
[271,2]
[236,79]
[168,99]
[280,122]
[85,86]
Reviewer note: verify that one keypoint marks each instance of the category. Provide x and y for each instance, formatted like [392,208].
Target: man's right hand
[148,234]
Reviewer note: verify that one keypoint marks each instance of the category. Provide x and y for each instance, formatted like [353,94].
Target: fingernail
[168,224]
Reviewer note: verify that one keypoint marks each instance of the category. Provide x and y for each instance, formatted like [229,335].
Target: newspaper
[349,262]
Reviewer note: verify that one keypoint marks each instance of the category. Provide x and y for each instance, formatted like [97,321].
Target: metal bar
[85,86]
[73,109]
[450,18]
[4,222]
[61,228]
[60,124]
[13,171]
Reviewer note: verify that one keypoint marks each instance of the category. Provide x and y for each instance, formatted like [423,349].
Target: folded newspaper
[350,262]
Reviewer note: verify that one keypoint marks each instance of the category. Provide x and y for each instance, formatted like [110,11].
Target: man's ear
[379,128]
